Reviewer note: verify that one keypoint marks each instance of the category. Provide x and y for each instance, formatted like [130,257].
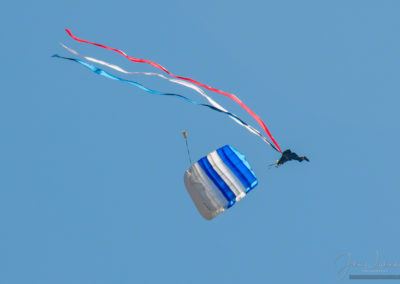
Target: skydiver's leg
[294,156]
[301,159]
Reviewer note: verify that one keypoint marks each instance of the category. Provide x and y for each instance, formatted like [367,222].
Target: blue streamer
[110,76]
[113,77]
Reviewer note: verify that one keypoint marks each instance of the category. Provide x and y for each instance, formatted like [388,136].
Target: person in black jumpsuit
[288,155]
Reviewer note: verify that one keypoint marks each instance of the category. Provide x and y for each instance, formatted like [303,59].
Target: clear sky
[91,170]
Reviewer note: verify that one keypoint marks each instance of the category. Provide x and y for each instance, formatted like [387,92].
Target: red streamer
[232,96]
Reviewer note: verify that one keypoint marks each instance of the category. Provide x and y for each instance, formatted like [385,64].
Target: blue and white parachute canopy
[218,180]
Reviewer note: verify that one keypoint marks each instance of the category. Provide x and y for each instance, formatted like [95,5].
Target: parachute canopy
[218,180]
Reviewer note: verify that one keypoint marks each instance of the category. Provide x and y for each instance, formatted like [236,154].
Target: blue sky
[92,169]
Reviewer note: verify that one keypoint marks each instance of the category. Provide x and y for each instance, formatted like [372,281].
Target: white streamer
[177,81]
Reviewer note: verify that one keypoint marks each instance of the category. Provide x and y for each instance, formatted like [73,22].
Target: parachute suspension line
[184,133]
[156,65]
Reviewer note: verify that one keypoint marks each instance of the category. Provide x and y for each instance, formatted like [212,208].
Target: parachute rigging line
[110,76]
[154,64]
[184,133]
[180,82]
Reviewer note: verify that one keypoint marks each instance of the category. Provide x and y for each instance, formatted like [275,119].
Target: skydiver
[288,155]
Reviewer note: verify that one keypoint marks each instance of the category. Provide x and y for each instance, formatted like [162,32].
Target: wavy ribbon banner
[177,81]
[156,65]
[110,76]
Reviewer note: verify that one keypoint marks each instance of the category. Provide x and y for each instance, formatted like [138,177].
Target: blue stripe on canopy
[228,162]
[234,169]
[238,164]
[218,181]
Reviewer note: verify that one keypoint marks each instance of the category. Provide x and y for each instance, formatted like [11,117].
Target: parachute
[219,180]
